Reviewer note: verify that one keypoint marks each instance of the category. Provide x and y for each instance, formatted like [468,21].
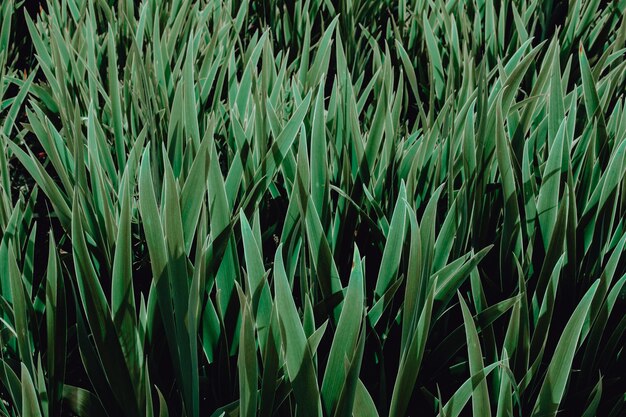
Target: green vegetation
[312,208]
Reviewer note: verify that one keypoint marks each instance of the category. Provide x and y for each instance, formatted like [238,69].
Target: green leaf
[56,327]
[298,357]
[435,57]
[592,102]
[560,367]
[116,105]
[480,396]
[345,340]
[29,396]
[261,302]
[511,238]
[319,163]
[20,311]
[363,403]
[547,202]
[393,247]
[247,364]
[411,359]
[556,112]
[457,402]
[11,117]
[193,192]
[82,402]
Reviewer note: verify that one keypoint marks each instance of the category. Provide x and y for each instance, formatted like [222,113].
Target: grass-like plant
[312,208]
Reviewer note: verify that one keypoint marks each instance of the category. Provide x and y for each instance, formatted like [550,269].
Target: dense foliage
[312,208]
